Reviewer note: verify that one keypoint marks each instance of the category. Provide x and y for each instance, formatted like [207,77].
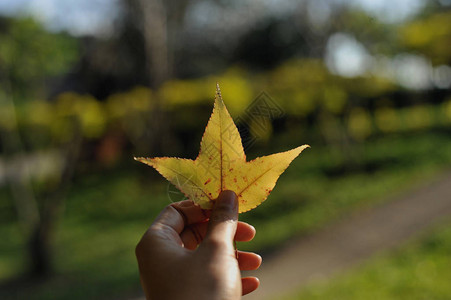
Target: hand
[188,253]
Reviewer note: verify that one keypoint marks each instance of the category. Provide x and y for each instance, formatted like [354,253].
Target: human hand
[188,253]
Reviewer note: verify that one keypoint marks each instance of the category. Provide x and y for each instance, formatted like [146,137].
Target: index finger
[178,215]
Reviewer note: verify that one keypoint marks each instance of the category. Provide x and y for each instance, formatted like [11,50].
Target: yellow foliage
[238,89]
[137,100]
[334,99]
[221,165]
[192,91]
[417,117]
[40,113]
[447,110]
[298,85]
[261,128]
[89,112]
[431,36]
[359,123]
[387,119]
[297,73]
[300,103]
[181,92]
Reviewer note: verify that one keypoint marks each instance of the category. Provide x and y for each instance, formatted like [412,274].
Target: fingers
[180,214]
[189,220]
[244,232]
[249,284]
[249,261]
[194,234]
[223,221]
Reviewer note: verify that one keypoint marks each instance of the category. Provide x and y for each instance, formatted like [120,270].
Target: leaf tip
[303,147]
[218,90]
[147,161]
[218,96]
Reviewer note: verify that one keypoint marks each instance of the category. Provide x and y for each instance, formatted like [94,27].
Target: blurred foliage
[29,54]
[107,211]
[359,123]
[377,36]
[340,109]
[430,36]
[302,88]
[366,131]
[322,185]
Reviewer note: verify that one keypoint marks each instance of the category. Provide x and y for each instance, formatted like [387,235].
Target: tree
[25,64]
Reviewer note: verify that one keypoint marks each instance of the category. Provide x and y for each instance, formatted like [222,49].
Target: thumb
[223,220]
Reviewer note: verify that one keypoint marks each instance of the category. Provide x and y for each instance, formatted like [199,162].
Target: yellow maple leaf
[221,165]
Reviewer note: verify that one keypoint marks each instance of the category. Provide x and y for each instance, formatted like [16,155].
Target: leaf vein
[255,180]
[187,179]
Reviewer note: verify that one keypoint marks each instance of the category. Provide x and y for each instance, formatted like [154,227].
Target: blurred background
[86,85]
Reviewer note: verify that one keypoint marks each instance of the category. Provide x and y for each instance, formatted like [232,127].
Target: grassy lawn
[419,270]
[322,186]
[106,213]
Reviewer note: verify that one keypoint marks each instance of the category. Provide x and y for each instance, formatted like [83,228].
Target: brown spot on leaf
[208,180]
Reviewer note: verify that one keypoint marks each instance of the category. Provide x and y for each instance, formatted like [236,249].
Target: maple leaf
[221,165]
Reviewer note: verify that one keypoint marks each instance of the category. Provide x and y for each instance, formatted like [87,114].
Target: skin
[188,253]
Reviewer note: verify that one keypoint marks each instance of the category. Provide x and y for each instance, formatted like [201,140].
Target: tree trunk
[40,244]
[153,23]
[40,253]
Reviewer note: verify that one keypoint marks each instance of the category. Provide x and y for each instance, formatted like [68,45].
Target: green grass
[106,213]
[323,184]
[94,248]
[419,270]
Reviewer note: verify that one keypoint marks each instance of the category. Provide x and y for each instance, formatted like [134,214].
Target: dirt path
[353,239]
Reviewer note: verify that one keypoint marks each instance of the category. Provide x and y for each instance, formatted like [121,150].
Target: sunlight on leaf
[221,165]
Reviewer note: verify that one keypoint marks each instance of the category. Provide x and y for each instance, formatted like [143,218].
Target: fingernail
[227,199]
